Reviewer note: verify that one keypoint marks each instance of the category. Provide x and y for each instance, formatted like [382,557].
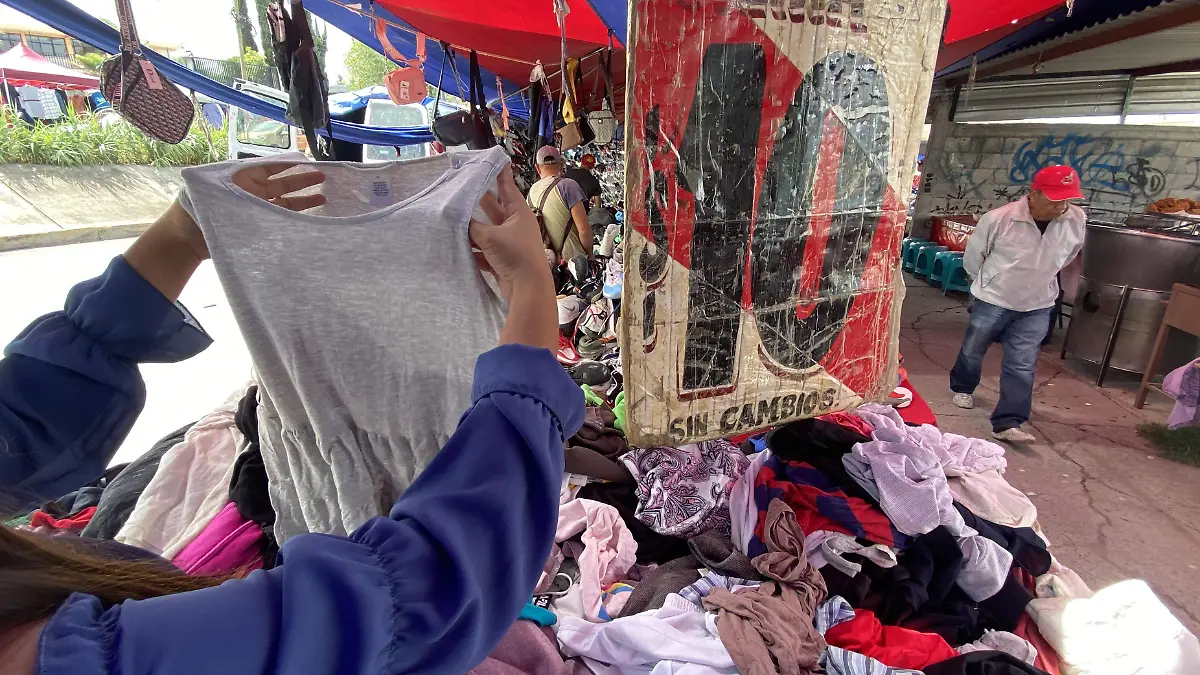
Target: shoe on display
[1014,435]
[591,373]
[900,398]
[964,401]
[566,351]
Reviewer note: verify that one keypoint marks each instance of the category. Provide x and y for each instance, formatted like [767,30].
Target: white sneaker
[1014,435]
[964,401]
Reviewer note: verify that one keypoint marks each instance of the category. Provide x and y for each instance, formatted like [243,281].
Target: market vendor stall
[21,66]
[28,82]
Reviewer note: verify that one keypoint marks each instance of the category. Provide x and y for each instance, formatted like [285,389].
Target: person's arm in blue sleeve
[430,589]
[433,587]
[70,389]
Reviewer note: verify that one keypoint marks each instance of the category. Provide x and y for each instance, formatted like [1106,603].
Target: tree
[91,60]
[320,35]
[264,29]
[365,66]
[252,57]
[246,29]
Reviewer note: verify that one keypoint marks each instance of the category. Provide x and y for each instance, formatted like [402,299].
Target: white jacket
[1013,265]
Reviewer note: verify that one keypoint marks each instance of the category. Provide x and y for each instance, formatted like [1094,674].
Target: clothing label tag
[542,601]
[381,191]
[404,90]
[151,74]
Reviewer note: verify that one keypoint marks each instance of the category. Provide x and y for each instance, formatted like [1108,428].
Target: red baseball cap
[1058,183]
[588,161]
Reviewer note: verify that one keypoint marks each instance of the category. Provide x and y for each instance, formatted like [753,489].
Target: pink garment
[958,455]
[850,421]
[1183,384]
[609,549]
[229,543]
[527,650]
[992,498]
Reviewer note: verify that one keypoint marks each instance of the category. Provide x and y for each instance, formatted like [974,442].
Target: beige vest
[556,217]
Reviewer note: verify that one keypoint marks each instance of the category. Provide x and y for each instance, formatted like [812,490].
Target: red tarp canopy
[511,35]
[21,65]
[969,18]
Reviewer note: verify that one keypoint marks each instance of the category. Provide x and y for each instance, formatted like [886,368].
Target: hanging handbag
[576,131]
[471,128]
[139,93]
[406,84]
[603,121]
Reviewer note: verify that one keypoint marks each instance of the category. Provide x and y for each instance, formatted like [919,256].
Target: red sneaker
[566,351]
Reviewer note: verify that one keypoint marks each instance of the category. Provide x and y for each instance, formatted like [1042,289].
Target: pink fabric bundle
[229,543]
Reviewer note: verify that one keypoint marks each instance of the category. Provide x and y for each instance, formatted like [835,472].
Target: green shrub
[86,142]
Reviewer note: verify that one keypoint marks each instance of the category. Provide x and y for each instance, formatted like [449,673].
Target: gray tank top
[363,318]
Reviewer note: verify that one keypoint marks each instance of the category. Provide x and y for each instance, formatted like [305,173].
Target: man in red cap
[586,179]
[1013,259]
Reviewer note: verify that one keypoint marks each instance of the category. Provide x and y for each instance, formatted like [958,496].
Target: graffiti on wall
[970,183]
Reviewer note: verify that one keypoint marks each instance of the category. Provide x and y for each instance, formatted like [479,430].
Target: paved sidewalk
[1112,508]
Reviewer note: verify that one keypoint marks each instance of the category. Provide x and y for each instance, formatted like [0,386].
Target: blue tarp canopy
[361,27]
[510,36]
[69,19]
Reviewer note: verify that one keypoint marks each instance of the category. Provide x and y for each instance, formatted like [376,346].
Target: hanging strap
[608,81]
[478,100]
[503,104]
[129,36]
[567,232]
[421,47]
[561,10]
[441,76]
[381,34]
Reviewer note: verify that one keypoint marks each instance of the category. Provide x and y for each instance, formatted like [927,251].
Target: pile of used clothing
[198,498]
[852,544]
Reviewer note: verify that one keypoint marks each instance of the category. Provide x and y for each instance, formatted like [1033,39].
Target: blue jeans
[1021,335]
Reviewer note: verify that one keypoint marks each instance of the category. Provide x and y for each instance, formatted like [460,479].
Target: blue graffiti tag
[1099,163]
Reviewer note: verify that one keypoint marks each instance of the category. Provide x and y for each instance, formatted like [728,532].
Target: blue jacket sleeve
[430,589]
[70,389]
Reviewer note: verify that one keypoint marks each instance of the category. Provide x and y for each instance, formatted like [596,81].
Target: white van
[383,113]
[253,135]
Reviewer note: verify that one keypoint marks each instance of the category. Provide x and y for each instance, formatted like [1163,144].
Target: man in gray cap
[562,206]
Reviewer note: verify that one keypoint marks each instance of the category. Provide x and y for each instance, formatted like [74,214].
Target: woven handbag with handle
[139,92]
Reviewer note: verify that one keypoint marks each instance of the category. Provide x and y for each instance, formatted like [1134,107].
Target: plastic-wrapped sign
[771,148]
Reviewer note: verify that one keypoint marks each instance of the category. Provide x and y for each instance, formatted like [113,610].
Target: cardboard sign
[771,147]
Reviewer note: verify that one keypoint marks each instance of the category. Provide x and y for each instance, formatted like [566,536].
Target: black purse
[470,128]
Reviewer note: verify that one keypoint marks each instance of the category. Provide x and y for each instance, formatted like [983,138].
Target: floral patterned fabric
[685,491]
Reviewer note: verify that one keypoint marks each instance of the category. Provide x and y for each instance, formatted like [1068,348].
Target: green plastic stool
[941,264]
[955,276]
[925,256]
[908,252]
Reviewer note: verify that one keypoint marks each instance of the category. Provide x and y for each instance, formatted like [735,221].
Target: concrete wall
[67,204]
[973,168]
[71,197]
